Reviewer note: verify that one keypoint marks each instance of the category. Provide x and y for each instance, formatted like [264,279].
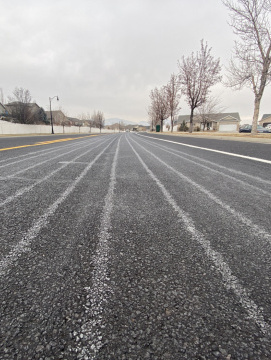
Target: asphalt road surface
[126,246]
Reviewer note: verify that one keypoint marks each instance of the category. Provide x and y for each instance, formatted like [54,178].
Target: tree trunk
[161,130]
[172,121]
[191,120]
[257,102]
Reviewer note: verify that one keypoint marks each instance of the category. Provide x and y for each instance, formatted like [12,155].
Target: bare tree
[153,119]
[198,72]
[115,127]
[86,119]
[19,105]
[252,53]
[82,120]
[79,124]
[159,104]
[121,126]
[62,118]
[82,117]
[98,119]
[89,121]
[207,109]
[173,97]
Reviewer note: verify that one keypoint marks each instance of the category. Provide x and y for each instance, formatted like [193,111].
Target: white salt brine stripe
[35,165]
[26,189]
[176,153]
[37,154]
[216,151]
[24,245]
[98,294]
[237,215]
[231,282]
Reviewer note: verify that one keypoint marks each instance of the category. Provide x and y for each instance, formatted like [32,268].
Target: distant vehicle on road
[247,129]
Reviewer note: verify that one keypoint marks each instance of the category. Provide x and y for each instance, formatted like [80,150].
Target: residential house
[77,122]
[58,117]
[266,119]
[226,122]
[27,113]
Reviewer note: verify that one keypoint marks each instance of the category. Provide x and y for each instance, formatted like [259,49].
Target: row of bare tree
[165,102]
[96,119]
[197,73]
[249,66]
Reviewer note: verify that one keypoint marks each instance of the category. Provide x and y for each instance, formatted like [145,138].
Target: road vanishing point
[134,246]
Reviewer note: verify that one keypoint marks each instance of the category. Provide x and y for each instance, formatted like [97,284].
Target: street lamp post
[50,99]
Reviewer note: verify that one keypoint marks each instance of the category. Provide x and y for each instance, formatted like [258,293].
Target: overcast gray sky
[108,54]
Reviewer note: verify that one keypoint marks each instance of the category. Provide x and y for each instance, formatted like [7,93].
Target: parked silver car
[247,128]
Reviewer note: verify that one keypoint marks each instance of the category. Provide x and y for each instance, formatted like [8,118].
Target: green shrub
[183,127]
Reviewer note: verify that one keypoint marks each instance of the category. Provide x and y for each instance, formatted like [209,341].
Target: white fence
[7,128]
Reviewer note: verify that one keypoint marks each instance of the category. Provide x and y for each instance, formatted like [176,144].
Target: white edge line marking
[23,245]
[212,150]
[97,295]
[231,282]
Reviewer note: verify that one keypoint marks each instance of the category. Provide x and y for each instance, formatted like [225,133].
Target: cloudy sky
[108,54]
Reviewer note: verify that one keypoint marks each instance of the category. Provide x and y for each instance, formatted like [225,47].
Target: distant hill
[112,121]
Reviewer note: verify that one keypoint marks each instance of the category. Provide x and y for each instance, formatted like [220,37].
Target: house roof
[13,103]
[227,117]
[33,107]
[54,112]
[213,117]
[265,116]
[58,117]
[75,120]
[182,118]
